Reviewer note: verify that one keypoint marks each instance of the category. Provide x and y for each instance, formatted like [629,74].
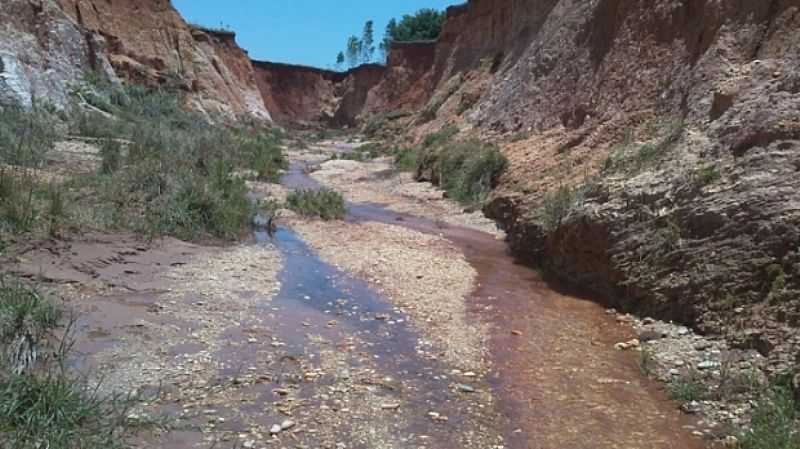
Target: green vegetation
[687,388]
[647,362]
[25,319]
[41,405]
[166,171]
[358,50]
[440,137]
[406,159]
[324,203]
[557,206]
[774,423]
[364,152]
[776,278]
[707,175]
[425,24]
[439,99]
[25,138]
[468,171]
[631,158]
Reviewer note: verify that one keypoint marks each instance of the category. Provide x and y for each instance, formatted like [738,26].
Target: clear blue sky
[308,32]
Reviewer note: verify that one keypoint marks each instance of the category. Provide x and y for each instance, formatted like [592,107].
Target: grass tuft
[325,204]
[774,422]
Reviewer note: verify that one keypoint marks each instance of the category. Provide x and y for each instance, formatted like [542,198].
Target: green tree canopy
[425,24]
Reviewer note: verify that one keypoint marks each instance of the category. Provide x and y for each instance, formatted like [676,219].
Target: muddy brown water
[558,381]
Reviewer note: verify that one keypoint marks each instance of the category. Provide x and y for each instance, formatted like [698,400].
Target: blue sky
[308,32]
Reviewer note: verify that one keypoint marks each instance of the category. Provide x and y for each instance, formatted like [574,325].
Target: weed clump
[774,422]
[42,405]
[325,204]
[631,158]
[557,206]
[167,171]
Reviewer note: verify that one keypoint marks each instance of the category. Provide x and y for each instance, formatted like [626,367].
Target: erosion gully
[556,379]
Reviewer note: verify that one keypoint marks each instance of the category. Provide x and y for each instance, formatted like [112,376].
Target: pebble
[464,388]
[249,444]
[287,424]
[706,364]
[275,429]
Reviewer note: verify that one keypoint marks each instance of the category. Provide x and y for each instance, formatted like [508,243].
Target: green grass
[406,159]
[468,171]
[24,311]
[774,422]
[687,388]
[26,135]
[41,405]
[707,175]
[325,204]
[57,411]
[365,152]
[440,137]
[557,206]
[176,174]
[631,158]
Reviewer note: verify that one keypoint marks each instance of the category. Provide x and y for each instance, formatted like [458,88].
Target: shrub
[773,424]
[468,171]
[557,206]
[56,209]
[57,411]
[110,156]
[440,137]
[707,175]
[25,319]
[45,406]
[177,176]
[26,135]
[216,204]
[325,204]
[17,212]
[406,159]
[687,388]
[632,158]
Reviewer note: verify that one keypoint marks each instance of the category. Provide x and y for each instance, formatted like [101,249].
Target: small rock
[647,321]
[250,444]
[464,388]
[517,333]
[702,345]
[275,429]
[691,407]
[627,345]
[650,335]
[706,364]
[390,405]
[287,424]
[683,331]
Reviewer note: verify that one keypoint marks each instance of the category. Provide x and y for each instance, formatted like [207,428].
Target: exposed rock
[48,46]
[307,95]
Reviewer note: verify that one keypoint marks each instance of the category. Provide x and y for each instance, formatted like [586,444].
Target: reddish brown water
[559,381]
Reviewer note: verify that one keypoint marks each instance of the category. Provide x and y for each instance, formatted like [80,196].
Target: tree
[340,60]
[368,42]
[425,24]
[353,51]
[386,43]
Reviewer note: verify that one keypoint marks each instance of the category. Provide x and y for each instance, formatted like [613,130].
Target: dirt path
[405,326]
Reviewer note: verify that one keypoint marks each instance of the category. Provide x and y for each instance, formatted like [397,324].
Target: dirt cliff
[653,150]
[48,45]
[307,95]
